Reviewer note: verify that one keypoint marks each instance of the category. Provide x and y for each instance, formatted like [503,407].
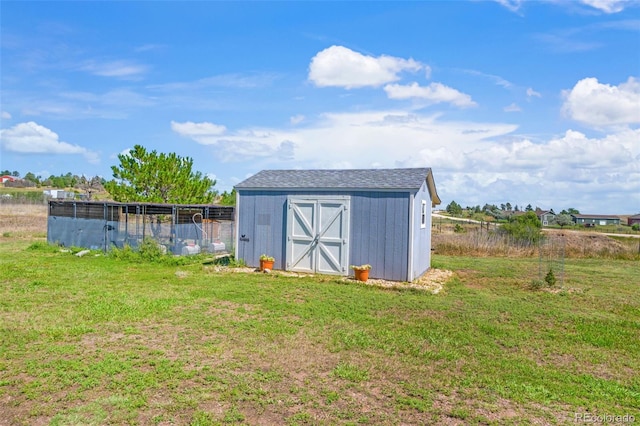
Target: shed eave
[324,189]
[431,184]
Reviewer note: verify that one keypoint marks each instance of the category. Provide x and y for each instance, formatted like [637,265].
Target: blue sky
[508,101]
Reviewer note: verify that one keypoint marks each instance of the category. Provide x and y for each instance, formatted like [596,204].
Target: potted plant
[361,272]
[266,262]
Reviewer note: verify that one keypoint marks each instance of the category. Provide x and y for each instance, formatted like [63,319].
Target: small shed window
[423,215]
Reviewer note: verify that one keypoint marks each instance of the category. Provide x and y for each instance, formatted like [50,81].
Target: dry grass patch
[573,244]
[22,220]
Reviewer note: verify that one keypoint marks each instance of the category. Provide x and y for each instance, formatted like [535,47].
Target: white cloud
[112,104]
[122,98]
[296,119]
[566,41]
[496,79]
[149,47]
[473,162]
[603,105]
[427,72]
[232,80]
[118,69]
[512,108]
[607,6]
[596,174]
[572,151]
[32,138]
[434,93]
[512,5]
[202,131]
[239,149]
[339,66]
[532,93]
[6,115]
[351,139]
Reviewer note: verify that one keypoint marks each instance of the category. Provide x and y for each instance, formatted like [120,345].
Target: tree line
[500,213]
[505,213]
[141,176]
[67,180]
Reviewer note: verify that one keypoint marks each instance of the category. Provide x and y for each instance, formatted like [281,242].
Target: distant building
[595,219]
[59,194]
[632,220]
[7,178]
[546,216]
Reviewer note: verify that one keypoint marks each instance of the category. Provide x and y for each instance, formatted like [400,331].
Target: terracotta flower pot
[361,274]
[266,264]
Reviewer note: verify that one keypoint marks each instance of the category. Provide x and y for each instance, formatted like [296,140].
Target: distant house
[546,216]
[7,178]
[632,220]
[595,219]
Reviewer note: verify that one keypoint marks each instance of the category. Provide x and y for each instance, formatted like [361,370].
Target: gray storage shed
[323,221]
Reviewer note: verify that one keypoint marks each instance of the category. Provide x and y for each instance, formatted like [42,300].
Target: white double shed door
[318,234]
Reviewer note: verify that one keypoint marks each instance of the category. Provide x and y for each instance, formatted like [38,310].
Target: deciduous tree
[525,228]
[563,220]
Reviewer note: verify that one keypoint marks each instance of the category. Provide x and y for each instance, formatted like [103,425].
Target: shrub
[550,278]
[230,261]
[536,284]
[150,250]
[124,253]
[525,228]
[636,227]
[458,228]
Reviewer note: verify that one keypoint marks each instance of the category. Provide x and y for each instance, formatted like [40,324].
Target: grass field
[96,340]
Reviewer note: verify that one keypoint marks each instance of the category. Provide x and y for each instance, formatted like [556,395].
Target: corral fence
[21,198]
[439,225]
[178,229]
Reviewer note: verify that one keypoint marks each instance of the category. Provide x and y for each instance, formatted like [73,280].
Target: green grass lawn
[97,340]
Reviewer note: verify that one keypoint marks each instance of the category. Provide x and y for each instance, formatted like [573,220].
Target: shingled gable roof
[354,179]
